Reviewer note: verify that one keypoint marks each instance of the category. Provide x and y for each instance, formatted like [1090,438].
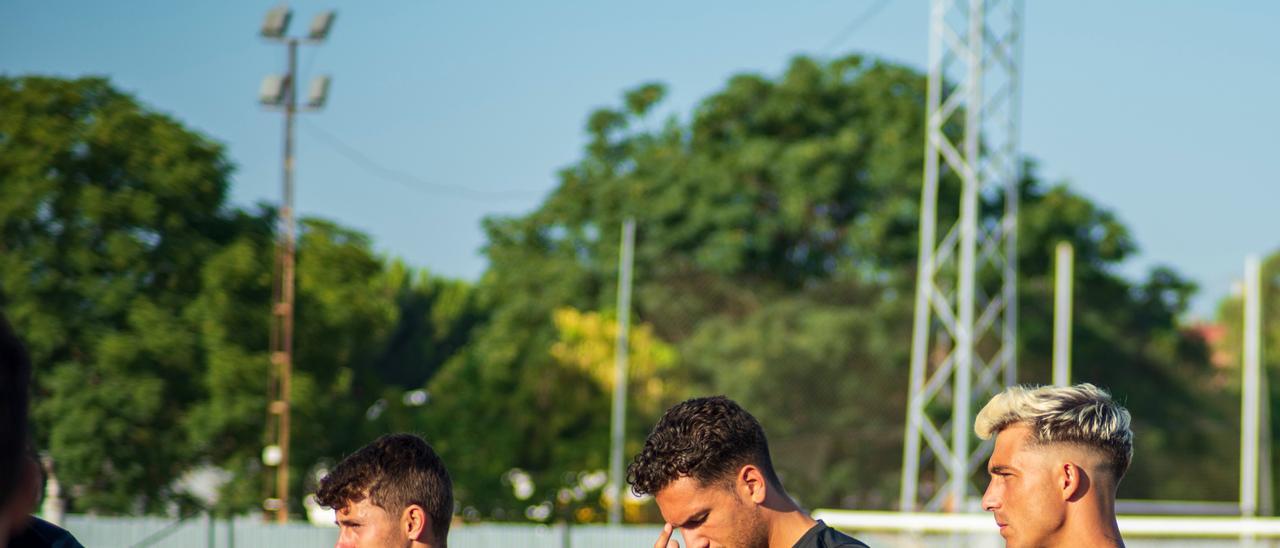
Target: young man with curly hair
[707,465]
[394,492]
[20,472]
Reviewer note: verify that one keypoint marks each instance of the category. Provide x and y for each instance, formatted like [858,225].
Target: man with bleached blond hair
[1059,456]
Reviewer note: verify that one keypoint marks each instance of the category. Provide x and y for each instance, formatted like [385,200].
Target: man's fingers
[664,540]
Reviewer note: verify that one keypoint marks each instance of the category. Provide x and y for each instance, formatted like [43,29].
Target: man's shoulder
[835,539]
[823,536]
[42,534]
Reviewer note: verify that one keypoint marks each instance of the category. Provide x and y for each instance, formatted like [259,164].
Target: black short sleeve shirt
[42,534]
[821,536]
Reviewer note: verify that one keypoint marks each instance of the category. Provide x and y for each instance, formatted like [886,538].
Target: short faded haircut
[1082,415]
[393,472]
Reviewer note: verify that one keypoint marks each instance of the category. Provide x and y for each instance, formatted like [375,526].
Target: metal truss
[963,347]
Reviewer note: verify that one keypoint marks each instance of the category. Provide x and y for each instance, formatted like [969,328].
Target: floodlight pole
[283,278]
[286,257]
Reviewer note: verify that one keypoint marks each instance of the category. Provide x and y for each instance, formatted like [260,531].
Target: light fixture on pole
[276,22]
[320,26]
[279,91]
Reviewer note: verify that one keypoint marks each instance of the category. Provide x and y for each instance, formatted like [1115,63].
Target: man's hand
[664,540]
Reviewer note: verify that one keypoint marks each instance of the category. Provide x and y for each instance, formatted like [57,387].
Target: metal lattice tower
[963,347]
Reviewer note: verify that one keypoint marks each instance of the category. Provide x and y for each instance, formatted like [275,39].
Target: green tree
[144,297]
[108,213]
[368,330]
[1231,317]
[1231,347]
[1128,338]
[776,250]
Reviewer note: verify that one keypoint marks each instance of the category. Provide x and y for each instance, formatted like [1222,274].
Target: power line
[409,180]
[305,75]
[863,18]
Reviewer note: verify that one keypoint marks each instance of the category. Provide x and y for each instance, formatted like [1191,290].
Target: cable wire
[409,180]
[863,18]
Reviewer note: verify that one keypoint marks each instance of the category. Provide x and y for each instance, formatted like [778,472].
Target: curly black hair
[15,381]
[394,471]
[708,439]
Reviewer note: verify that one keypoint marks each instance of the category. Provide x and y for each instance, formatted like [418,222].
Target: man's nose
[345,539]
[693,540]
[991,498]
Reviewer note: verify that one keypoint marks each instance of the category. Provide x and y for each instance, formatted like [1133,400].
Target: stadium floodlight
[273,90]
[320,26]
[280,92]
[318,92]
[276,22]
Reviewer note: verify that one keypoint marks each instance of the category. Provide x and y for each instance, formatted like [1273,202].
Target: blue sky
[1163,111]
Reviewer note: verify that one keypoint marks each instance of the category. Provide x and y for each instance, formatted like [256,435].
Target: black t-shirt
[42,534]
[821,536]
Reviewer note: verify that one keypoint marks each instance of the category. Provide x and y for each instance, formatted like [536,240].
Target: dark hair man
[1060,454]
[20,474]
[707,465]
[15,377]
[394,492]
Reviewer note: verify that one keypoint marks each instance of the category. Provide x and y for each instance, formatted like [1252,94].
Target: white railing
[1130,526]
[878,529]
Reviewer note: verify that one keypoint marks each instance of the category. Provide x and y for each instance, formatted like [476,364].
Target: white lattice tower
[963,347]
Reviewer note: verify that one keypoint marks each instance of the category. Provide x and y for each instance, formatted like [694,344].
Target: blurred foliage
[775,263]
[1231,344]
[776,250]
[588,342]
[145,300]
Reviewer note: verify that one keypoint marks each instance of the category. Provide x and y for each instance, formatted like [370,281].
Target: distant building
[1215,337]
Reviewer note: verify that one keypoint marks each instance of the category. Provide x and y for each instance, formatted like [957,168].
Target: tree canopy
[144,297]
[776,252]
[775,262]
[1229,347]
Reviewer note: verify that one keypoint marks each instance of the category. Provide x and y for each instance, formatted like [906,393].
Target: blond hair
[1082,415]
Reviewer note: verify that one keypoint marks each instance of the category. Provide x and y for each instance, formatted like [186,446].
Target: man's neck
[787,526]
[1104,533]
[1100,537]
[1092,524]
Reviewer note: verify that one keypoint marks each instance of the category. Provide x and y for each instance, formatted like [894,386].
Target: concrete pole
[618,439]
[1250,388]
[1063,285]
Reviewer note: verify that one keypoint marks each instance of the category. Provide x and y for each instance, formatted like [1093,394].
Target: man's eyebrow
[698,516]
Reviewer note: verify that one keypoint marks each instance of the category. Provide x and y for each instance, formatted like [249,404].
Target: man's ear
[751,483]
[414,523]
[1073,481]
